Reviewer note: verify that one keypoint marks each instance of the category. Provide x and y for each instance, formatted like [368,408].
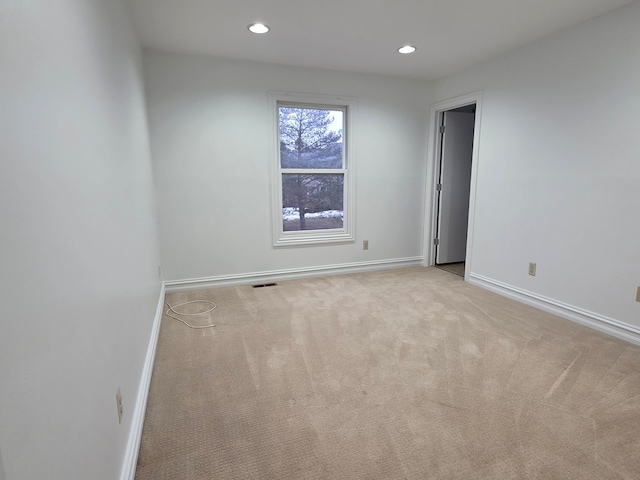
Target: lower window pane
[312,201]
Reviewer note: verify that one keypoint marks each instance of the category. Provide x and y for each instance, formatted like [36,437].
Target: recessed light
[407,49]
[258,28]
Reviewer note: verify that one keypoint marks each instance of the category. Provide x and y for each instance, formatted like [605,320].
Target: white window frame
[345,234]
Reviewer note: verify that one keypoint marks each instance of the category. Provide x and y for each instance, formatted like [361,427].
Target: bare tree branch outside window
[311,150]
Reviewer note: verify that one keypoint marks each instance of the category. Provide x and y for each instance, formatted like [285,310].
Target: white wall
[559,165]
[79,283]
[211,129]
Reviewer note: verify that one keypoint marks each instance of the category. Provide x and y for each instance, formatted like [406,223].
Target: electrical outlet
[159,271]
[532,269]
[638,295]
[119,405]
[365,244]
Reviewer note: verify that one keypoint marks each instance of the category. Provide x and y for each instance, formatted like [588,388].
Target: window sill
[296,239]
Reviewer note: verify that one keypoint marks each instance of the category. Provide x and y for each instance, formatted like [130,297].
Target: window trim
[346,234]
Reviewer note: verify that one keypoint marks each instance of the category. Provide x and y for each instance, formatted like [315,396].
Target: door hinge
[442,128]
[436,241]
[439,187]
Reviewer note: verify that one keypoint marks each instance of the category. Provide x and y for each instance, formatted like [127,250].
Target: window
[313,170]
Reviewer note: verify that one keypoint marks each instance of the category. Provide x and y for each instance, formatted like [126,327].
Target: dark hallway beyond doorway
[455,268]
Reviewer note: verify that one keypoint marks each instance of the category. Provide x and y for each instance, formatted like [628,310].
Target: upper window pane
[311,137]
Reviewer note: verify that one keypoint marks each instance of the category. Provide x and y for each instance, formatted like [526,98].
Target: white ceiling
[358,35]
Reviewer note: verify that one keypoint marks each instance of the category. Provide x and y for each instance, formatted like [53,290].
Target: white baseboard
[596,321]
[290,274]
[137,422]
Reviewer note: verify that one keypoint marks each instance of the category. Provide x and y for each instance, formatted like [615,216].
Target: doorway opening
[454,137]
[453,188]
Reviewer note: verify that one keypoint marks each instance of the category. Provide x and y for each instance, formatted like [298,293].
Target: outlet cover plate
[532,269]
[638,295]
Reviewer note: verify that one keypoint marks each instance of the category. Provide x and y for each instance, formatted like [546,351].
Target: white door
[455,183]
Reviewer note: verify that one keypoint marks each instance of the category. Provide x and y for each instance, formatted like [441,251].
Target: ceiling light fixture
[258,28]
[407,49]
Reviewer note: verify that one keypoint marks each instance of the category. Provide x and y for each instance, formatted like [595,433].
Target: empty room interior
[437,276]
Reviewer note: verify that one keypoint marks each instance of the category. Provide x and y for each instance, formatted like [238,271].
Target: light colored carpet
[401,374]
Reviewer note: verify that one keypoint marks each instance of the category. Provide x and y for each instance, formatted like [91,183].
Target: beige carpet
[402,374]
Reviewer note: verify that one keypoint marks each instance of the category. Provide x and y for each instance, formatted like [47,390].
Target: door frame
[433,169]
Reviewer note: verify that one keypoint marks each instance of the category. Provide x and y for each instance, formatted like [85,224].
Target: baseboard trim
[593,320]
[137,422]
[290,274]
